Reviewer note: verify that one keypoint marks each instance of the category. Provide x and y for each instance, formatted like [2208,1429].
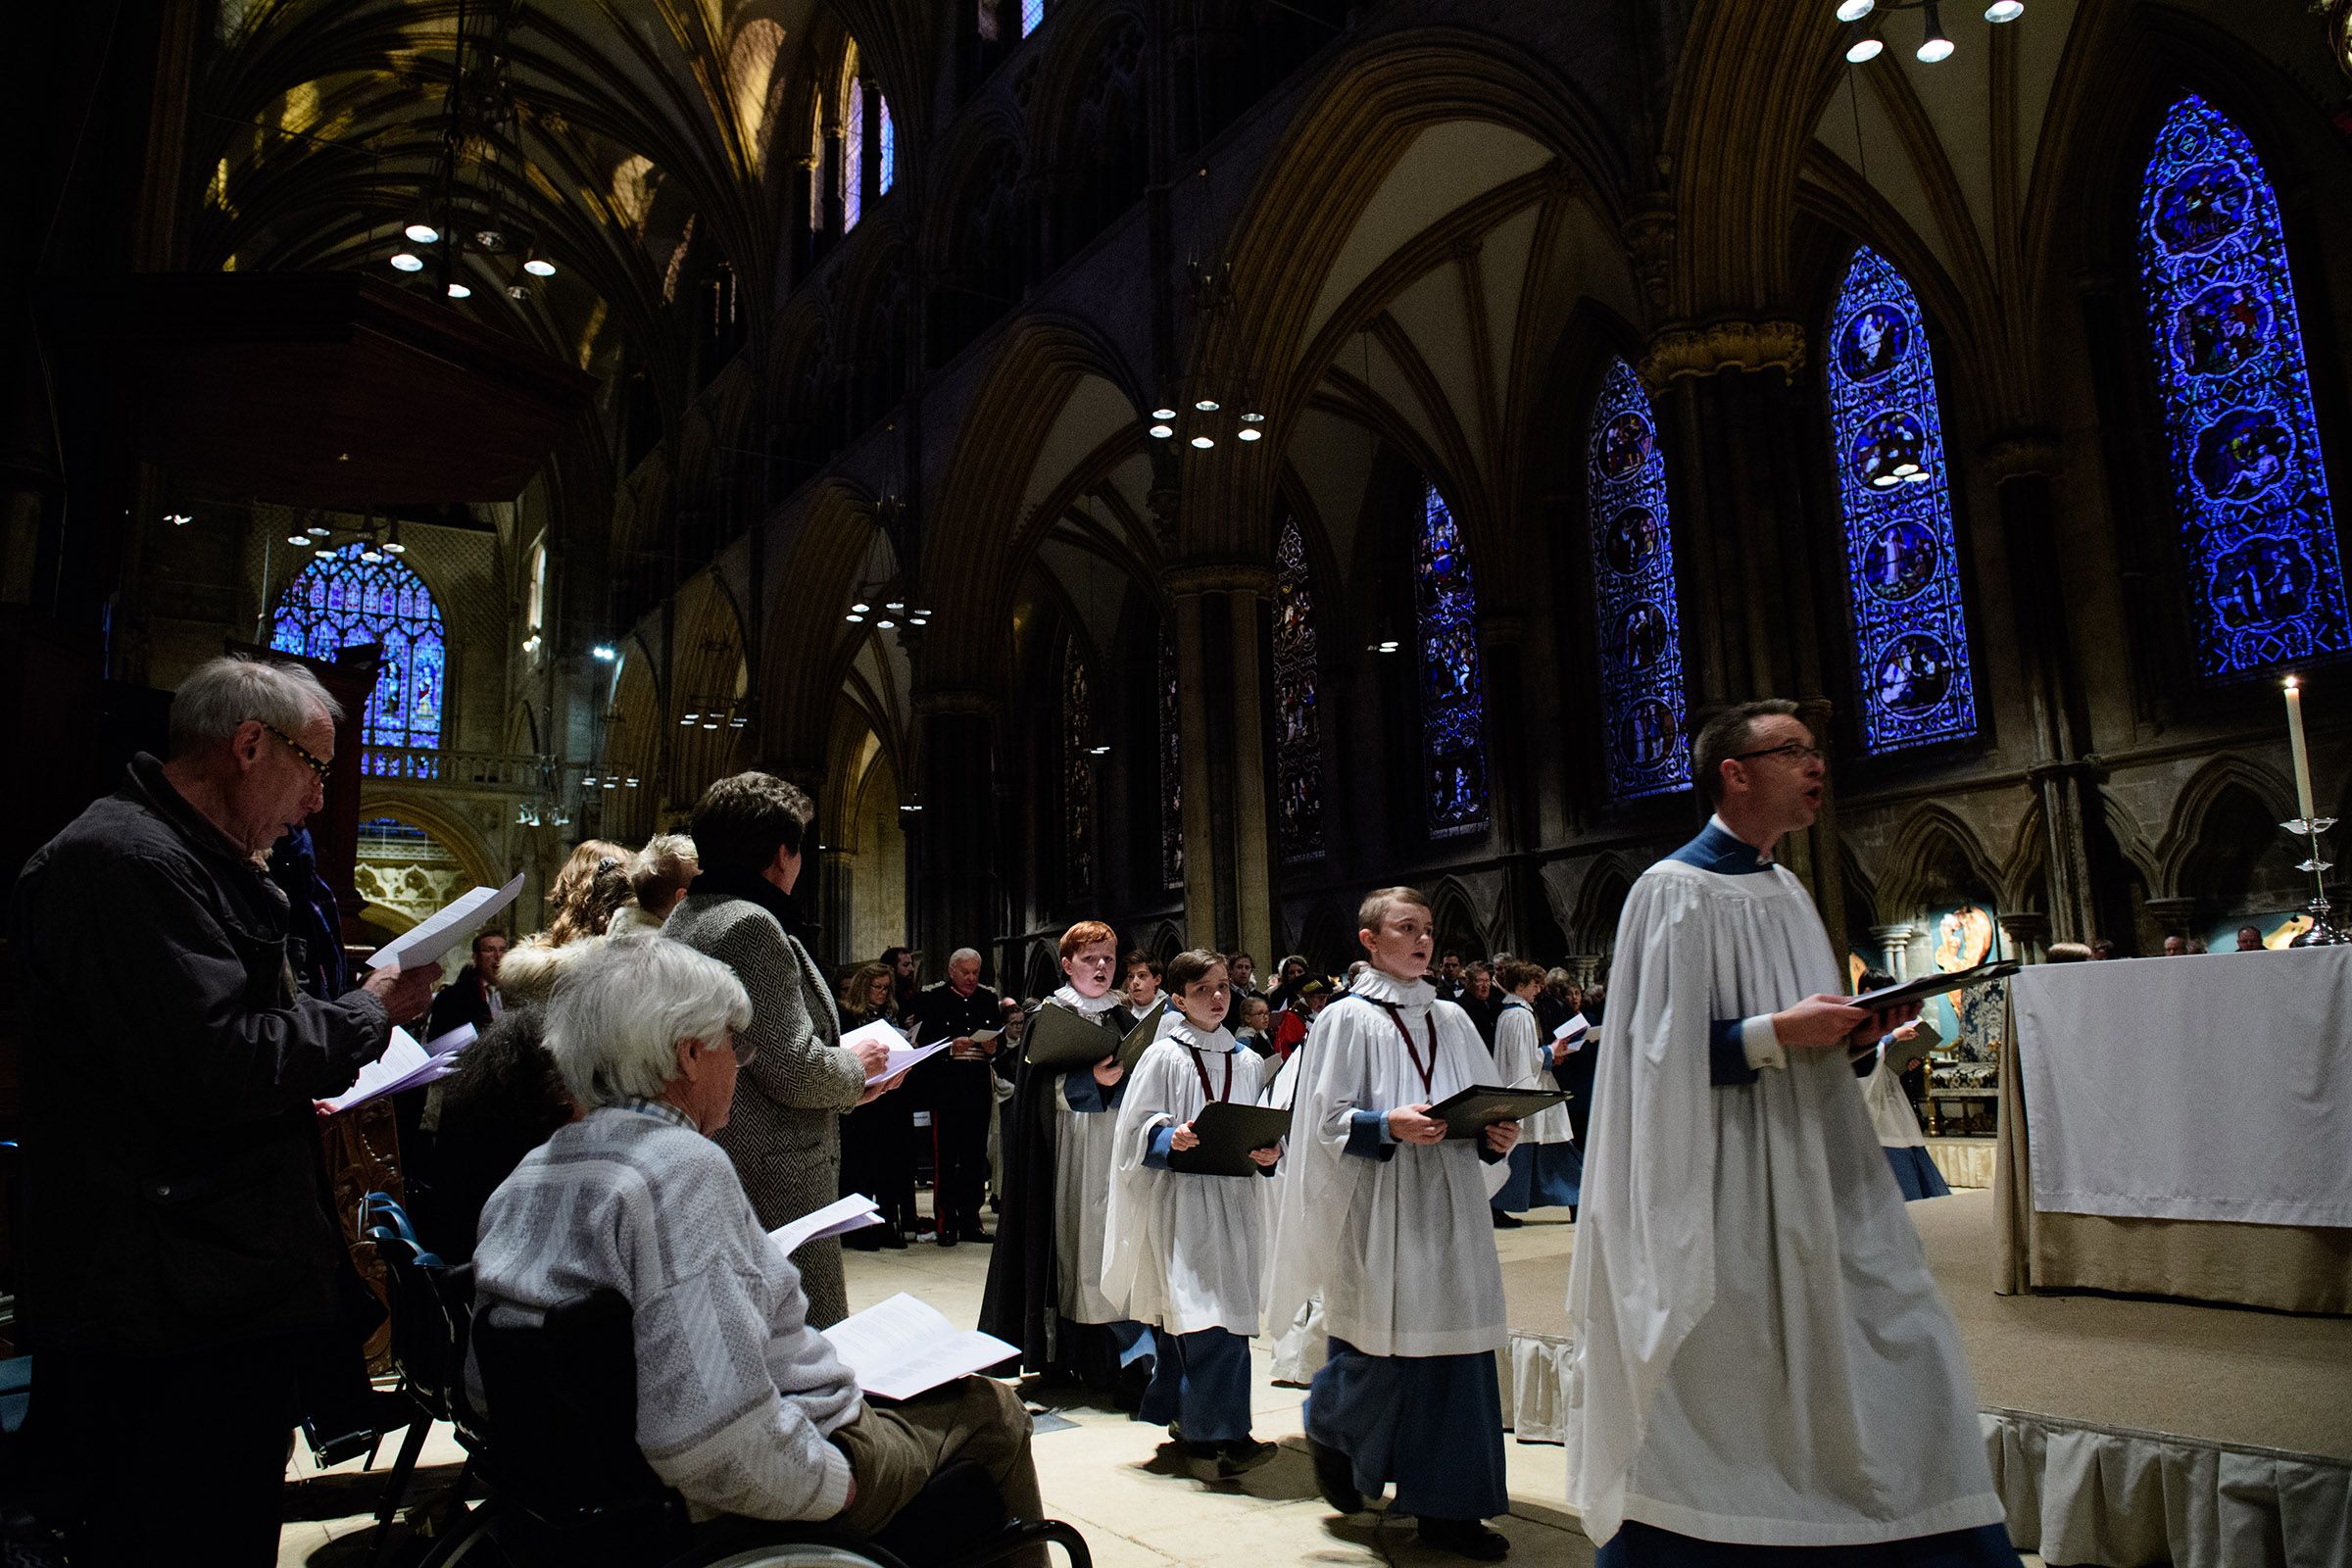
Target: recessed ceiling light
[1865,49]
[1855,10]
[1163,413]
[2001,10]
[1250,435]
[1203,442]
[1206,404]
[1163,431]
[539,267]
[407,262]
[458,291]
[423,233]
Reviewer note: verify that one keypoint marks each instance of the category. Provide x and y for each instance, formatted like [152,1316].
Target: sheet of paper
[904,1346]
[1571,1033]
[905,1056]
[439,932]
[402,1057]
[450,1044]
[838,1218]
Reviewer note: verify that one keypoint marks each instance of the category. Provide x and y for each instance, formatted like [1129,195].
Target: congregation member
[1732,1176]
[1255,1026]
[1045,1284]
[1385,1220]
[178,1252]
[1891,1114]
[1185,1251]
[1450,982]
[877,1139]
[903,985]
[1545,1168]
[784,1132]
[1482,1000]
[473,997]
[958,1088]
[742,1405]
[2250,939]
[2070,953]
[1287,978]
[592,886]
[1241,979]
[659,877]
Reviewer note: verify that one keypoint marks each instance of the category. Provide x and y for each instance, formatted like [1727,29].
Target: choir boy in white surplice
[1545,1168]
[1387,1219]
[1762,1367]
[1186,1249]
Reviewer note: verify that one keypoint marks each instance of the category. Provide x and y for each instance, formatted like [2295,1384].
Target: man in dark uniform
[1482,1000]
[955,1087]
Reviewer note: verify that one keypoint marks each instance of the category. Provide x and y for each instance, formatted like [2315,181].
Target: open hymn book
[905,1347]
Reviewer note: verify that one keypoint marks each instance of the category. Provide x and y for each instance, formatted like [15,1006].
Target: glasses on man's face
[316,764]
[1794,750]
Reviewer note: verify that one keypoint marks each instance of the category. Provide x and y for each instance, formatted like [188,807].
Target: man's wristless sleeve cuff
[1761,1043]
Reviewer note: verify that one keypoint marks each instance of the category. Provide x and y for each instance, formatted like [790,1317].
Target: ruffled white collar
[1380,986]
[1173,1025]
[1086,1007]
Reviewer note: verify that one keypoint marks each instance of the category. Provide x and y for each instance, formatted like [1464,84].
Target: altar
[2182,1127]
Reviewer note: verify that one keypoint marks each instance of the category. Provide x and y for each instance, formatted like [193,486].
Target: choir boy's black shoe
[1507,1222]
[1335,1478]
[1465,1538]
[1240,1456]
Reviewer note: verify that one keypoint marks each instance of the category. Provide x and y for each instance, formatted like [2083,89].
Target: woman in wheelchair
[741,1407]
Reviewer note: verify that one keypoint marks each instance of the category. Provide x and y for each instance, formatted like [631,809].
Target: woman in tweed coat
[784,1132]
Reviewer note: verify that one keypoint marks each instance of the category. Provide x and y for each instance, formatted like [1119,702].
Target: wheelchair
[567,1485]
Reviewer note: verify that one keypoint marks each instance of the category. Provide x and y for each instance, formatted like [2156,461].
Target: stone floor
[1120,1481]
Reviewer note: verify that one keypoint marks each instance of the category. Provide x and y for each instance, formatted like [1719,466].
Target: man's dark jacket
[174,1191]
[460,1002]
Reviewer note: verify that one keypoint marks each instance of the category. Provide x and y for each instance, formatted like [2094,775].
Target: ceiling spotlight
[1855,10]
[490,239]
[530,644]
[855,619]
[1163,413]
[737,721]
[516,291]
[1935,46]
[908,810]
[407,262]
[372,555]
[896,605]
[1253,417]
[178,519]
[589,781]
[1903,471]
[298,538]
[423,234]
[605,651]
[539,267]
[611,783]
[2001,10]
[1163,431]
[916,620]
[1203,442]
[1206,404]
[710,724]
[1250,434]
[861,606]
[324,555]
[884,624]
[687,722]
[1918,476]
[458,291]
[1864,49]
[318,530]
[632,781]
[1886,480]
[1098,751]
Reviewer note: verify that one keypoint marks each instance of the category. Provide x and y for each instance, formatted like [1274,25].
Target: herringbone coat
[784,1133]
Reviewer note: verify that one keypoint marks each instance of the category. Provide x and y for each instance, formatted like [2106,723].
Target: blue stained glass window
[889,170]
[1902,561]
[1633,593]
[1454,750]
[1298,732]
[1171,769]
[852,150]
[342,601]
[2266,581]
[1033,14]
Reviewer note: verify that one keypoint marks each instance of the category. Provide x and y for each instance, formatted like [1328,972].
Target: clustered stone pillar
[1220,680]
[958,888]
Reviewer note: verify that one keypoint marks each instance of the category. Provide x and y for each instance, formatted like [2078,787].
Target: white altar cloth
[2215,1087]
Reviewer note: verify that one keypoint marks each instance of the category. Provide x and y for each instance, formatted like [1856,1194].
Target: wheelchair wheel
[784,1554]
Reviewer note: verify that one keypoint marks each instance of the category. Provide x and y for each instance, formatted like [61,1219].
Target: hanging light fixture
[458,291]
[407,262]
[392,544]
[423,234]
[1935,45]
[538,266]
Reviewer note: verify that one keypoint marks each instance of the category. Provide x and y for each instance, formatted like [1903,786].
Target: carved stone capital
[1220,576]
[1648,234]
[943,702]
[2019,454]
[1718,346]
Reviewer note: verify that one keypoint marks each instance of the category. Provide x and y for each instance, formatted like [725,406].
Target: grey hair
[665,864]
[615,1023]
[961,953]
[228,691]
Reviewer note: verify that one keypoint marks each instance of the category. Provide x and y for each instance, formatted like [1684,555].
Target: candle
[2295,747]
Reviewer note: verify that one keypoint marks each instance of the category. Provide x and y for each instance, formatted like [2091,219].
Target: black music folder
[1934,985]
[1228,1131]
[1059,1040]
[1475,1109]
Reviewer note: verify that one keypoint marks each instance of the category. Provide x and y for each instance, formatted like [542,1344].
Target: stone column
[2029,935]
[951,841]
[2025,466]
[1252,828]
[1894,941]
[1228,858]
[1193,751]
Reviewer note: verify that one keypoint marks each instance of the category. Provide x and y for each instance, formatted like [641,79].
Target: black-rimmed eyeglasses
[316,764]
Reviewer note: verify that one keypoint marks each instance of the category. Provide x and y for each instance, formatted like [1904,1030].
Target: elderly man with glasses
[178,1246]
[1764,1369]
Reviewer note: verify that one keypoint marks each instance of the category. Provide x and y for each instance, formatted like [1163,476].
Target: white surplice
[1184,1251]
[1760,1353]
[1523,1060]
[1401,1250]
[1891,1114]
[1082,1147]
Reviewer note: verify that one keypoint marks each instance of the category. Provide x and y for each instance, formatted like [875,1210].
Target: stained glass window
[1454,750]
[1171,769]
[1633,593]
[1077,773]
[1903,567]
[1033,16]
[2266,581]
[1298,724]
[889,137]
[853,149]
[342,600]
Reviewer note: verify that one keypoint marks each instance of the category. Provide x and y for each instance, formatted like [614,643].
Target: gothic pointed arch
[357,593]
[1935,854]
